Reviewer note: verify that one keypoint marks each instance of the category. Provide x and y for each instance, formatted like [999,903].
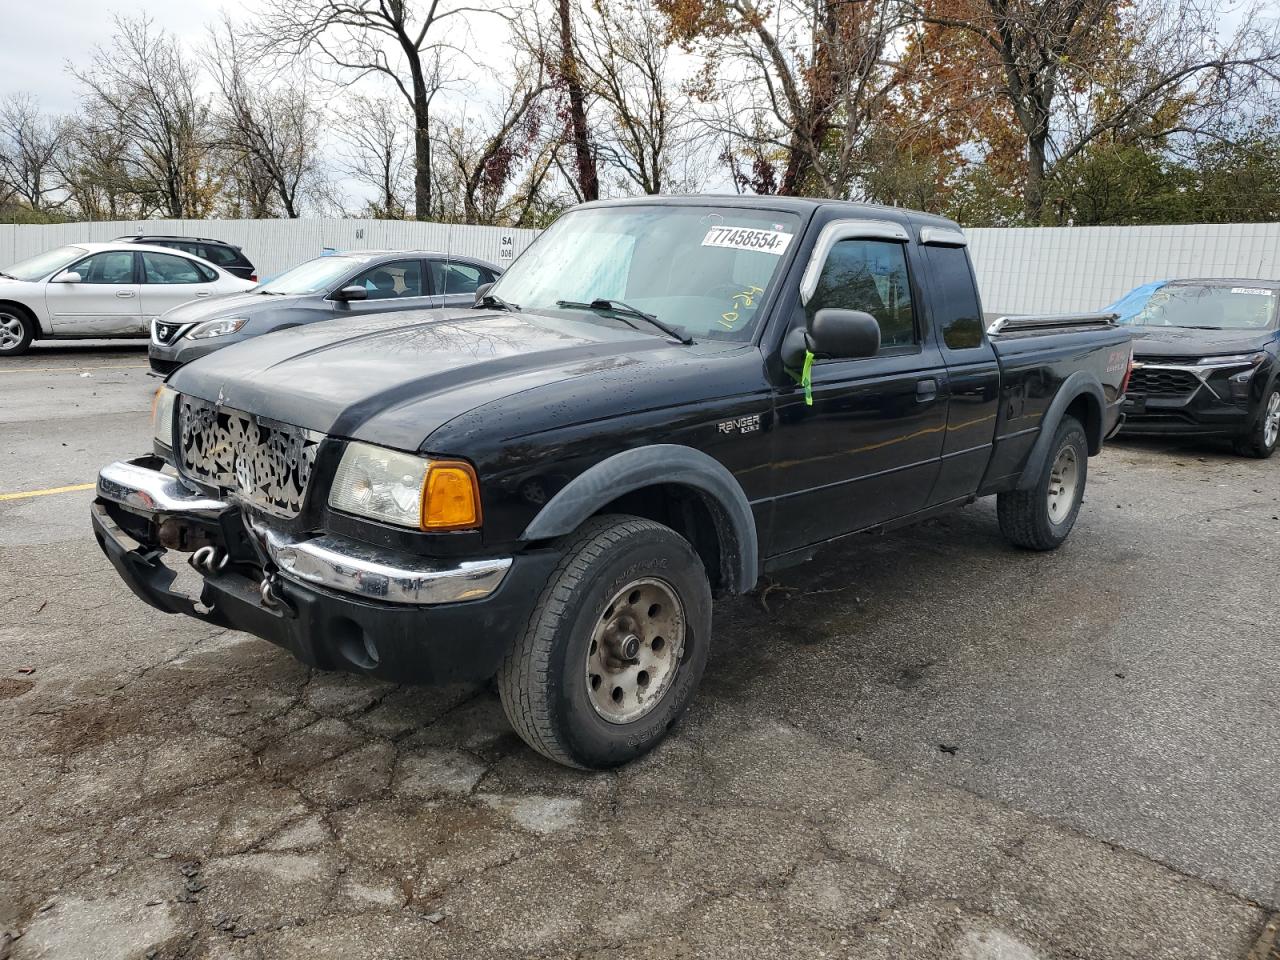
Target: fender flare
[1081,383]
[661,463]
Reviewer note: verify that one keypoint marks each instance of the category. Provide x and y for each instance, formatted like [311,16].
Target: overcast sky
[38,38]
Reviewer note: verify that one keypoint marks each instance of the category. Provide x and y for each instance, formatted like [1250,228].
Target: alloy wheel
[1064,477]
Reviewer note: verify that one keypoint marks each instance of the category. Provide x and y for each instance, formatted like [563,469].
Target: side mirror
[844,334]
[833,334]
[353,292]
[480,292]
[66,276]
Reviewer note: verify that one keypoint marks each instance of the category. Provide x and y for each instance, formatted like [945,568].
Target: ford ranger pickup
[659,401]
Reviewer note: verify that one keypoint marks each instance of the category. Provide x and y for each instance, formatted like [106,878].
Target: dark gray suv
[327,288]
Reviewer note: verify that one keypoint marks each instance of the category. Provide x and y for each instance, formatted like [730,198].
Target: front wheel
[615,647]
[1042,517]
[17,330]
[1260,442]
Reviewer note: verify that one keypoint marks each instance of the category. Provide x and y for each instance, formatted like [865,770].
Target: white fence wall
[276,245]
[1047,269]
[1023,270]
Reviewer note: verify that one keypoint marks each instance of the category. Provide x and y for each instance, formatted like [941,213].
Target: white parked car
[93,290]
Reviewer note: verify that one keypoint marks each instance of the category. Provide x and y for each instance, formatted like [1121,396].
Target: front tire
[1042,517]
[615,647]
[17,330]
[1260,442]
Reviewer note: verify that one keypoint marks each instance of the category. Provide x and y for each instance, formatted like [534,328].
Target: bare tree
[803,80]
[403,40]
[487,152]
[625,61]
[145,90]
[98,180]
[270,131]
[378,153]
[30,143]
[571,78]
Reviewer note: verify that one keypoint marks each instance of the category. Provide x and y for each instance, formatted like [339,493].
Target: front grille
[263,462]
[1163,383]
[164,333]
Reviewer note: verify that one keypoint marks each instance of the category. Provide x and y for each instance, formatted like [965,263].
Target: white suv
[93,290]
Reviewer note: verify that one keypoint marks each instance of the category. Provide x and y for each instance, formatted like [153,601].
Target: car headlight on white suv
[216,328]
[407,490]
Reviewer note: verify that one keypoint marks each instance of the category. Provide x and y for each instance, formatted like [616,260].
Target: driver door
[104,303]
[869,448]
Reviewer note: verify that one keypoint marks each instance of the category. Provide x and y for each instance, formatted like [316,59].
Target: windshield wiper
[490,300]
[7,276]
[622,311]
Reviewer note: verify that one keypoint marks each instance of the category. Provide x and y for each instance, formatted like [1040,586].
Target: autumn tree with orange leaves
[1040,81]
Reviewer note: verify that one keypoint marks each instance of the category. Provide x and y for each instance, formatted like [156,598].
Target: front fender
[659,464]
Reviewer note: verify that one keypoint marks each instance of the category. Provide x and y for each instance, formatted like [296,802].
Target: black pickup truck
[659,401]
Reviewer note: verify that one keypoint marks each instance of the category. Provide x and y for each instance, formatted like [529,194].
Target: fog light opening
[355,645]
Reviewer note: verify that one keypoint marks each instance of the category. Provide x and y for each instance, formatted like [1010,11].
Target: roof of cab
[802,206]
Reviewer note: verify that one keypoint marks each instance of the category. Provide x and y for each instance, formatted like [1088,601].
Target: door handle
[926,390]
[124,294]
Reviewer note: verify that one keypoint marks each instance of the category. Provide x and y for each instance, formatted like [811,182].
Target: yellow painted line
[123,366]
[45,493]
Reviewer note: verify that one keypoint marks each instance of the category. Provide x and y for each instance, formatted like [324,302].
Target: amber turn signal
[450,496]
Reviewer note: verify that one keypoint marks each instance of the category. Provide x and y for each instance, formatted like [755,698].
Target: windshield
[703,270]
[1209,307]
[314,276]
[44,264]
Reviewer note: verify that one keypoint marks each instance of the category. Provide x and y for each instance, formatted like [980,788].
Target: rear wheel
[17,330]
[1042,517]
[1261,441]
[615,647]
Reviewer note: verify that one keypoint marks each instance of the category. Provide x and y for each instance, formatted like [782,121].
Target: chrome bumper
[333,562]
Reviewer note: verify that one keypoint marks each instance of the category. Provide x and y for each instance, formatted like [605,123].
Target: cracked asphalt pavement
[925,744]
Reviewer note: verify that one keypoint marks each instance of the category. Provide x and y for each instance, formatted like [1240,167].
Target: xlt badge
[749,424]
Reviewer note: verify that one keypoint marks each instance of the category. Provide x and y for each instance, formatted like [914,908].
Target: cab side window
[390,281]
[871,276]
[165,268]
[111,266]
[954,305]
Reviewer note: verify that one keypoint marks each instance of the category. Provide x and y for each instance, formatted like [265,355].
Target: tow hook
[209,560]
[269,596]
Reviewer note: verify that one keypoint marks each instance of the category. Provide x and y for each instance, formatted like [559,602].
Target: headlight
[406,490]
[1235,360]
[162,415]
[216,328]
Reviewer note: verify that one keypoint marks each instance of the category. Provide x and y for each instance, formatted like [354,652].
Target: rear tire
[17,330]
[615,647]
[1260,442]
[1042,517]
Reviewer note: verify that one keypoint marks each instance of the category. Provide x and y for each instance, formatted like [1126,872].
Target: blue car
[1131,304]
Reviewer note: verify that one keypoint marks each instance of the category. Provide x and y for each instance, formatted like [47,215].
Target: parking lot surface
[918,745]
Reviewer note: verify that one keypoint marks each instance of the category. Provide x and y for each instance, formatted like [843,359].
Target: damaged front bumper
[334,602]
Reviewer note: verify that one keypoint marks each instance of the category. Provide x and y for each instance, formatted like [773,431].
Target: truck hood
[393,378]
[1164,342]
[246,304]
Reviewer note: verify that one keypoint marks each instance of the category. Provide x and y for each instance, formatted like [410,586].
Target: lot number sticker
[1256,291]
[748,238]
